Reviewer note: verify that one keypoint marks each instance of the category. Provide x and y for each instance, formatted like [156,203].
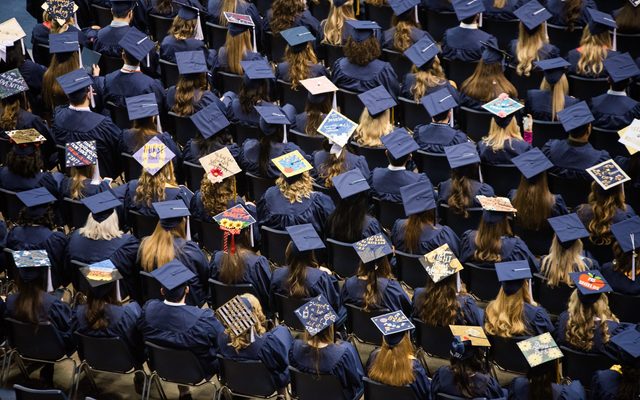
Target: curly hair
[528,46]
[402,36]
[300,64]
[151,188]
[428,78]
[488,240]
[251,95]
[335,21]
[437,305]
[593,51]
[10,111]
[372,271]
[571,12]
[504,316]
[362,53]
[284,13]
[183,29]
[189,90]
[164,7]
[333,166]
[604,205]
[216,196]
[561,261]
[297,188]
[46,219]
[316,113]
[583,318]
[242,341]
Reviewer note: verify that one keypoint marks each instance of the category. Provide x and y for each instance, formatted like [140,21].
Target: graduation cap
[237,316]
[539,349]
[74,81]
[234,219]
[532,14]
[12,82]
[439,101]
[297,38]
[473,334]
[621,67]
[491,54]
[503,108]
[210,120]
[318,88]
[372,248]
[337,128]
[350,183]
[467,8]
[122,6]
[461,349]
[101,277]
[219,165]
[495,208]
[590,285]
[66,42]
[305,237]
[462,154]
[532,163]
[393,326]
[399,143]
[136,43]
[272,117]
[402,6]
[80,154]
[608,174]
[36,200]
[173,275]
[568,228]
[11,32]
[377,100]
[292,164]
[142,106]
[625,233]
[575,116]
[359,30]
[171,212]
[316,315]
[25,141]
[553,68]
[422,52]
[416,198]
[599,21]
[257,69]
[153,155]
[191,62]
[512,275]
[625,347]
[30,263]
[440,263]
[187,11]
[60,10]
[101,205]
[238,23]
[630,137]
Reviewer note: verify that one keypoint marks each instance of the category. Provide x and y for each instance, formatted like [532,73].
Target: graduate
[286,14]
[318,104]
[595,46]
[81,160]
[376,117]
[334,160]
[438,134]
[65,57]
[217,8]
[621,381]
[426,75]
[300,61]
[463,42]
[622,272]
[501,10]
[212,135]
[237,48]
[570,13]
[255,90]
[318,351]
[545,103]
[76,122]
[32,72]
[406,27]
[185,34]
[59,17]
[109,37]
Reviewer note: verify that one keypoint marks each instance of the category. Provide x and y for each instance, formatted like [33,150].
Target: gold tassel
[358,7]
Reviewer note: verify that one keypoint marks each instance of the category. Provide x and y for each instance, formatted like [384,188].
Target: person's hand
[527,123]
[95,70]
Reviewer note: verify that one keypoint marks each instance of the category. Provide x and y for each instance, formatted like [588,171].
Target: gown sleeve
[467,246]
[421,386]
[472,313]
[395,298]
[522,252]
[60,316]
[262,279]
[573,391]
[541,322]
[349,371]
[330,291]
[275,355]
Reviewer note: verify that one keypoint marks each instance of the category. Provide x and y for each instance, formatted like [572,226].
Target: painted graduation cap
[292,164]
[372,248]
[36,200]
[440,263]
[495,208]
[136,43]
[532,14]
[10,32]
[467,8]
[393,326]
[422,52]
[316,315]
[219,165]
[568,228]
[173,275]
[210,120]
[238,23]
[142,106]
[621,67]
[462,154]
[474,334]
[66,42]
[491,54]
[101,205]
[512,275]
[305,237]
[575,116]
[101,276]
[297,38]
[319,88]
[75,81]
[532,163]
[25,141]
[439,101]
[337,128]
[80,154]
[360,30]
[377,100]
[630,137]
[191,62]
[417,197]
[399,143]
[350,183]
[154,155]
[553,68]
[234,219]
[625,233]
[11,83]
[60,10]
[31,263]
[122,6]
[237,316]
[503,108]
[257,69]
[599,21]
[539,349]
[624,348]
[171,212]
[590,284]
[608,174]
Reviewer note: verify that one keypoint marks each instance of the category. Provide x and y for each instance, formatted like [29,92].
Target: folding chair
[258,185]
[380,14]
[434,165]
[586,88]
[564,39]
[159,27]
[412,113]
[482,281]
[553,299]
[185,129]
[10,205]
[390,212]
[376,156]
[475,123]
[574,191]
[332,54]
[628,43]
[229,82]
[169,73]
[350,104]
[505,354]
[222,292]
[307,143]
[25,393]
[320,10]
[581,366]
[296,97]
[241,133]
[193,173]
[41,54]
[273,244]
[439,22]
[109,64]
[360,327]
[103,15]
[210,236]
[410,271]
[142,225]
[119,115]
[458,222]
[285,307]
[132,168]
[277,46]
[401,64]
[434,340]
[501,177]
[342,258]
[379,391]
[459,71]
[216,35]
[312,386]
[150,287]
[233,378]
[504,31]
[607,139]
[625,307]
[524,83]
[543,131]
[538,241]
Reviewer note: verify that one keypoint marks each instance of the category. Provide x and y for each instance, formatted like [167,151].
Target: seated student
[513,312]
[287,14]
[621,380]
[255,90]
[185,34]
[76,122]
[595,46]
[237,48]
[246,338]
[58,17]
[570,13]
[543,380]
[614,110]
[65,57]
[108,39]
[468,375]
[319,353]
[405,29]
[464,42]
[374,286]
[572,156]
[81,159]
[300,61]
[437,135]
[212,135]
[32,72]
[375,119]
[319,103]
[461,190]
[386,182]
[426,75]
[621,273]
[173,323]
[395,363]
[333,27]
[217,8]
[302,277]
[545,103]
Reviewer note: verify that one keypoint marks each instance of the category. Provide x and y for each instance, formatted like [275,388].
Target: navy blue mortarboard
[316,315]
[359,30]
[461,349]
[36,200]
[467,8]
[416,198]
[439,101]
[74,81]
[173,275]
[11,83]
[512,275]
[297,38]
[66,42]
[399,143]
[590,284]
[273,117]
[532,14]
[576,116]
[171,212]
[625,347]
[625,233]
[349,183]
[136,43]
[553,68]
[142,106]
[305,237]
[621,67]
[532,163]
[422,52]
[568,228]
[600,22]
[402,6]
[210,120]
[101,277]
[191,62]
[339,3]
[187,11]
[377,100]
[257,69]
[462,154]
[31,264]
[393,326]
[491,54]
[121,6]
[373,248]
[101,205]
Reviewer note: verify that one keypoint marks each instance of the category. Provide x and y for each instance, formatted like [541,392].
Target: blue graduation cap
[625,233]
[36,200]
[350,183]
[136,43]
[101,205]
[625,347]
[12,82]
[273,117]
[599,21]
[305,237]
[191,62]
[590,285]
[372,248]
[210,120]
[187,11]
[532,14]
[460,349]
[297,38]
[568,228]
[74,81]
[467,8]
[316,315]
[491,54]
[377,100]
[399,143]
[621,67]
[173,275]
[142,106]
[66,42]
[360,30]
[122,6]
[402,6]
[393,326]
[462,154]
[512,275]
[422,52]
[439,101]
[576,116]
[553,68]
[417,197]
[257,69]
[171,212]
[31,263]
[532,163]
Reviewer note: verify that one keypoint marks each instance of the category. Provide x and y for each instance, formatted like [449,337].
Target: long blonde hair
[157,249]
[426,79]
[593,51]
[371,129]
[105,230]
[529,43]
[393,365]
[300,64]
[297,188]
[402,36]
[498,135]
[558,91]
[504,316]
[236,47]
[583,319]
[228,6]
[151,188]
[244,340]
[335,21]
[487,82]
[561,261]
[77,177]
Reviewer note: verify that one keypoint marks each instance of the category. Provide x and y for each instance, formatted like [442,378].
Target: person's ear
[186,290]
[162,292]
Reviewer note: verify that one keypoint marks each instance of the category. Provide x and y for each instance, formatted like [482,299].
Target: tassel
[81,64]
[24,52]
[96,179]
[480,174]
[188,229]
[633,257]
[49,283]
[158,123]
[233,244]
[75,21]
[284,134]
[530,289]
[253,34]
[357,7]
[392,116]
[334,103]
[3,52]
[415,9]
[93,101]
[336,149]
[251,236]
[199,35]
[148,62]
[118,294]
[615,39]
[451,121]
[225,243]
[480,21]
[458,282]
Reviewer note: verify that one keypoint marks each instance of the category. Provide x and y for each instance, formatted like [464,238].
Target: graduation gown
[619,282]
[188,253]
[360,78]
[386,183]
[272,349]
[443,381]
[250,156]
[276,212]
[614,112]
[559,207]
[477,188]
[352,161]
[127,192]
[512,148]
[501,14]
[556,8]
[170,46]
[519,390]
[431,238]
[27,120]
[203,101]
[421,386]
[437,5]
[416,34]
[256,272]
[16,183]
[339,359]
[573,57]
[33,74]
[571,159]
[300,122]
[538,104]
[108,38]
[305,18]
[392,296]
[463,44]
[585,213]
[183,327]
[470,313]
[512,249]
[434,137]
[598,343]
[88,190]
[118,85]
[604,384]
[40,35]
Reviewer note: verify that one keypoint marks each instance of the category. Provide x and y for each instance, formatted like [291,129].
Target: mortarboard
[74,81]
[316,315]
[625,231]
[297,38]
[417,197]
[60,10]
[219,165]
[271,116]
[372,248]
[624,347]
[608,174]
[439,101]
[187,11]
[122,6]
[101,277]
[337,128]
[79,154]
[399,143]
[568,228]
[512,275]
[305,237]
[599,21]
[462,154]
[532,163]
[191,62]
[257,69]
[10,32]
[393,326]
[292,164]
[460,349]
[318,88]
[89,58]
[422,52]
[66,42]
[590,285]
[473,334]
[377,100]
[153,155]
[503,108]
[136,43]
[237,316]
[12,82]
[25,141]
[142,106]
[210,120]
[173,275]
[553,68]
[491,54]
[630,137]
[440,263]
[539,349]
[36,200]
[30,263]
[171,212]
[234,219]
[532,14]
[467,8]
[359,30]
[402,6]
[350,183]
[575,116]
[621,67]
[238,23]
[101,205]
[495,208]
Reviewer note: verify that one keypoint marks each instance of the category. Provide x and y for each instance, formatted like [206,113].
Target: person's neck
[85,104]
[581,139]
[121,21]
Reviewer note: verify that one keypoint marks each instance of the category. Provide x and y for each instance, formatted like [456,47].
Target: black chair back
[109,64]
[119,115]
[193,175]
[564,39]
[537,241]
[435,341]
[169,73]
[524,83]
[625,307]
[277,46]
[175,365]
[296,97]
[376,156]
[574,191]
[229,82]
[285,306]
[553,299]
[25,393]
[234,373]
[543,131]
[628,43]
[159,27]
[216,35]
[41,54]
[109,354]
[439,22]
[475,123]
[273,244]
[75,213]
[10,205]
[211,236]
[311,386]
[258,185]
[410,270]
[401,64]
[307,143]
[501,177]
[390,212]
[222,292]
[458,70]
[482,281]
[586,88]
[412,113]
[132,168]
[580,366]
[350,104]
[379,391]
[607,139]
[320,10]
[142,225]
[35,341]
[435,165]
[243,132]
[506,354]
[360,325]
[458,222]
[342,258]
[332,54]
[380,14]
[150,287]
[504,31]
[102,15]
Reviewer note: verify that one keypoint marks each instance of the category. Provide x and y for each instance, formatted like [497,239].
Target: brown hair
[623,262]
[529,43]
[216,196]
[189,90]
[96,311]
[488,240]
[372,271]
[61,63]
[26,166]
[362,53]
[300,64]
[182,29]
[164,6]
[559,90]
[10,111]
[298,263]
[460,197]
[29,300]
[402,36]
[335,21]
[232,266]
[333,166]
[437,305]
[572,11]
[284,13]
[77,177]
[534,202]
[604,205]
[393,365]
[157,249]
[325,336]
[583,318]
[487,82]
[151,188]
[425,79]
[561,261]
[593,51]
[628,18]
[504,316]
[236,47]
[316,113]
[413,227]
[143,130]
[251,95]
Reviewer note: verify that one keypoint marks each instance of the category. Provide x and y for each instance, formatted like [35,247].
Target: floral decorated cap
[503,107]
[220,165]
[440,263]
[540,349]
[234,219]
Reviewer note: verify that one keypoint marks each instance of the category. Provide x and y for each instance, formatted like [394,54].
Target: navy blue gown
[573,57]
[357,78]
[276,212]
[386,184]
[434,137]
[619,282]
[463,44]
[546,52]
[315,70]
[189,254]
[421,386]
[512,148]
[604,384]
[431,238]
[410,80]
[170,46]
[470,313]
[501,14]
[614,111]
[16,183]
[352,161]
[392,296]
[512,249]
[305,19]
[519,390]
[256,272]
[203,101]
[126,193]
[570,159]
[118,85]
[221,62]
[538,104]
[487,386]
[108,38]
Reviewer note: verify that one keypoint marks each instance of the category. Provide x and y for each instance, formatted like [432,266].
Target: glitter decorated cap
[316,315]
[292,164]
[393,326]
[11,83]
[503,108]
[154,155]
[60,10]
[373,248]
[539,349]
[31,263]
[440,263]
[238,23]
[495,208]
[608,174]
